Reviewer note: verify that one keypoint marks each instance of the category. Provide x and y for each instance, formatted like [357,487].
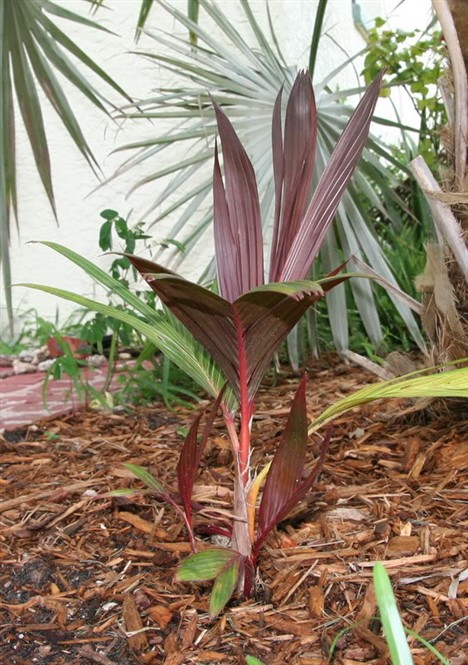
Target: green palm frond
[245,80]
[158,326]
[34,53]
[419,384]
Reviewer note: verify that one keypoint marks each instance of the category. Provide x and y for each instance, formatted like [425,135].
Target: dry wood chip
[316,601]
[143,525]
[161,615]
[301,629]
[29,499]
[403,545]
[392,489]
[88,652]
[215,656]
[189,630]
[368,607]
[133,625]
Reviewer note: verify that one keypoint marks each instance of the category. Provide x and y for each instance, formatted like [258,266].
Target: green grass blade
[428,645]
[394,632]
[146,477]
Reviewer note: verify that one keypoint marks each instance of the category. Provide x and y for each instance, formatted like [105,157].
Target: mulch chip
[87,579]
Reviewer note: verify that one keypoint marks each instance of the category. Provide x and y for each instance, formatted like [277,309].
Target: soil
[85,578]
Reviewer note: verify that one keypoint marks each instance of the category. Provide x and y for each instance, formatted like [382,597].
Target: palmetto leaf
[145,9]
[246,80]
[32,50]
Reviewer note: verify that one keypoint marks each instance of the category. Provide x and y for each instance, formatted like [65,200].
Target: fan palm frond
[245,80]
[34,53]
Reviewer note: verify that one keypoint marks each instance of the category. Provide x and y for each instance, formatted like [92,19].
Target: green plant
[67,363]
[33,50]
[251,660]
[164,381]
[241,328]
[226,341]
[400,653]
[414,61]
[394,629]
[390,616]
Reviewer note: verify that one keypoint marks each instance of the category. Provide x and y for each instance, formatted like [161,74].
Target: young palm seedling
[226,341]
[242,327]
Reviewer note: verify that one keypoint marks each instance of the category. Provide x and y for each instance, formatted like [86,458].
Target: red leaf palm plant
[243,326]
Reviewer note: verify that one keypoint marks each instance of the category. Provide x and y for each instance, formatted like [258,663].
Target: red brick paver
[21,399]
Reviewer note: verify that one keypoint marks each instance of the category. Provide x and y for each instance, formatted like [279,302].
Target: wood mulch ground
[86,580]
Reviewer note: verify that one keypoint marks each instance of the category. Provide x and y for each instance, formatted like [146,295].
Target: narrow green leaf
[251,660]
[224,587]
[127,491]
[391,621]
[146,477]
[145,8]
[205,565]
[193,9]
[449,383]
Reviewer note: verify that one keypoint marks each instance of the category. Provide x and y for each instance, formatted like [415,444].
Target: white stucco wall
[78,202]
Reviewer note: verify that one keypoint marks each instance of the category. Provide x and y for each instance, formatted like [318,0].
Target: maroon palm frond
[190,457]
[322,208]
[206,315]
[287,465]
[236,216]
[242,336]
[293,165]
[284,486]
